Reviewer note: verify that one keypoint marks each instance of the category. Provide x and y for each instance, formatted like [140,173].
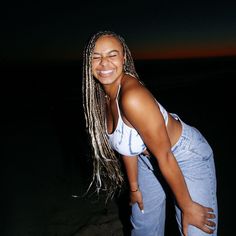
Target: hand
[199,216]
[136,197]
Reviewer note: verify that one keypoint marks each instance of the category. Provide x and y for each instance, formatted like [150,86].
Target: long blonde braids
[107,174]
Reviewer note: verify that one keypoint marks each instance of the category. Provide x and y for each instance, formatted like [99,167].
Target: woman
[122,116]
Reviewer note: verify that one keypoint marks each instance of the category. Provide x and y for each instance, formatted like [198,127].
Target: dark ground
[45,153]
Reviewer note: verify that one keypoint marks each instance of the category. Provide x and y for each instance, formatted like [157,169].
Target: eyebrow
[107,52]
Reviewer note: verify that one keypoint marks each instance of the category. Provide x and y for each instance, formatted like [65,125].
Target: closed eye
[96,57]
[114,55]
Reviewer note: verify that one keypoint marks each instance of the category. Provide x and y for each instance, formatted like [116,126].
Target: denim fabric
[195,158]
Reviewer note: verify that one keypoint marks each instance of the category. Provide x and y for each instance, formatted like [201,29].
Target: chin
[105,80]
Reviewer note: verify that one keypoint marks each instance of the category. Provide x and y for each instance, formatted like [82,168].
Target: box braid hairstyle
[107,174]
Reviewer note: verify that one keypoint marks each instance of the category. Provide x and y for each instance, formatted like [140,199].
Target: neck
[111,90]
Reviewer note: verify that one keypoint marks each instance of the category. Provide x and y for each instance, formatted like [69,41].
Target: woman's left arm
[141,110]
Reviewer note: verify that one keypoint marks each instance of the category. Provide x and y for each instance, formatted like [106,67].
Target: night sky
[58,30]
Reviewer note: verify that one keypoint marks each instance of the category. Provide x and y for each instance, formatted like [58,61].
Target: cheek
[118,64]
[121,65]
[93,68]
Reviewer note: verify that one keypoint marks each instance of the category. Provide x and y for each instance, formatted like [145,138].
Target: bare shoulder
[134,93]
[139,107]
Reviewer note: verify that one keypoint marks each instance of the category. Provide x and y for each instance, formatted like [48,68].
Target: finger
[140,204]
[211,216]
[207,229]
[209,209]
[210,223]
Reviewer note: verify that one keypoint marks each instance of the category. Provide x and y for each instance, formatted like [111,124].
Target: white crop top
[126,140]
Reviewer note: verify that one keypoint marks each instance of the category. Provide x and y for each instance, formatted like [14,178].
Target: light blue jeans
[195,158]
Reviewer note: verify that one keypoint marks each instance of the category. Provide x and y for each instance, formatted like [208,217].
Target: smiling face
[107,60]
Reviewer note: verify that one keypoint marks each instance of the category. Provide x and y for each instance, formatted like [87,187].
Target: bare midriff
[174,130]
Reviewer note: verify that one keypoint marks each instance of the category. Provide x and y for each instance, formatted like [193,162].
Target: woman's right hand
[136,197]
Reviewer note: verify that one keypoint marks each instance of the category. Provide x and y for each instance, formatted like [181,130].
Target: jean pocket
[201,150]
[199,146]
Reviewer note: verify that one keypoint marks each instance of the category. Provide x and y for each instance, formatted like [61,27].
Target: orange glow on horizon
[184,53]
[170,53]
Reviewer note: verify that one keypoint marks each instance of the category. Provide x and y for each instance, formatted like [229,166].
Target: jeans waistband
[182,143]
[185,137]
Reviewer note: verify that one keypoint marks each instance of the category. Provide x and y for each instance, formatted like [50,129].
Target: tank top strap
[118,92]
[117,100]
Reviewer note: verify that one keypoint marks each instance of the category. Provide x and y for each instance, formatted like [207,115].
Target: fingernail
[142,211]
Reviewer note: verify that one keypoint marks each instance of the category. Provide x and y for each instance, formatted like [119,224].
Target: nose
[104,61]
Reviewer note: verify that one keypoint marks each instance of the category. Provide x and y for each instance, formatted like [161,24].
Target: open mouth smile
[105,72]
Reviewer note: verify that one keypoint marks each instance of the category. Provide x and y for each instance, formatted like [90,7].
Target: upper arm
[141,110]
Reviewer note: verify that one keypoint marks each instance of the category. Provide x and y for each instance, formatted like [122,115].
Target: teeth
[105,71]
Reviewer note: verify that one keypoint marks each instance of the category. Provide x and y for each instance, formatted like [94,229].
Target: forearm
[175,179]
[131,166]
